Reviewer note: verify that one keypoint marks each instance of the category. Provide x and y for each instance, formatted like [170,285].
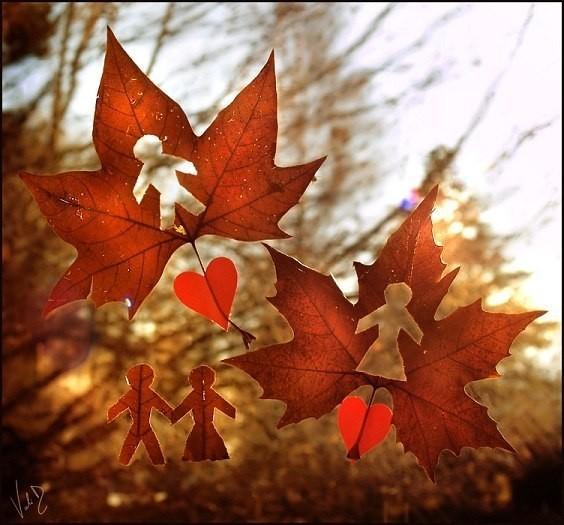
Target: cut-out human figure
[159,169]
[139,401]
[390,318]
[203,442]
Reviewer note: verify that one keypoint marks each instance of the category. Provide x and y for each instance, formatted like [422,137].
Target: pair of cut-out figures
[203,442]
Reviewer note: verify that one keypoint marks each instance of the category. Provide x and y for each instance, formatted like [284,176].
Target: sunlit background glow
[484,80]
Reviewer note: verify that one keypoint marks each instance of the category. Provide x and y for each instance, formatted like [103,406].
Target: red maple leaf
[121,249]
[317,369]
[432,411]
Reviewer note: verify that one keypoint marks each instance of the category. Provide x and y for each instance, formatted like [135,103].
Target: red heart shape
[351,416]
[211,294]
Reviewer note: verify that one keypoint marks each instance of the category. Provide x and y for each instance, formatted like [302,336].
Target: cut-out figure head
[148,148]
[140,375]
[201,378]
[398,295]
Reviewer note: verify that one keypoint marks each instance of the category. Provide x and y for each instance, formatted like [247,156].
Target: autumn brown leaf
[244,192]
[316,370]
[121,249]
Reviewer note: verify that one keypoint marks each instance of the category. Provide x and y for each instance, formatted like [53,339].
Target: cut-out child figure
[390,318]
[139,401]
[159,169]
[203,442]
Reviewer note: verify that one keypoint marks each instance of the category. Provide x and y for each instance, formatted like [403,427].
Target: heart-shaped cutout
[211,294]
[352,413]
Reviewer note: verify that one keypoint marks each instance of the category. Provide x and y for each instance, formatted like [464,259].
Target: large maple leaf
[121,249]
[317,369]
[432,411]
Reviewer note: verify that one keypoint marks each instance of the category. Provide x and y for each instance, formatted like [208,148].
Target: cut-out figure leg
[188,201]
[153,448]
[130,444]
[195,444]
[377,354]
[204,443]
[215,447]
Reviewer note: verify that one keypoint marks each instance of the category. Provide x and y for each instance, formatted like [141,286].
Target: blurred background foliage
[61,373]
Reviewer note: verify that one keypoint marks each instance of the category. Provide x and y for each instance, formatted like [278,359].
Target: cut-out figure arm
[372,319]
[181,410]
[189,200]
[223,405]
[117,408]
[162,406]
[410,326]
[182,165]
[141,186]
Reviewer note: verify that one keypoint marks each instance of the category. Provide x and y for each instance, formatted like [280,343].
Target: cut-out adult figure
[203,442]
[159,169]
[139,401]
[390,318]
